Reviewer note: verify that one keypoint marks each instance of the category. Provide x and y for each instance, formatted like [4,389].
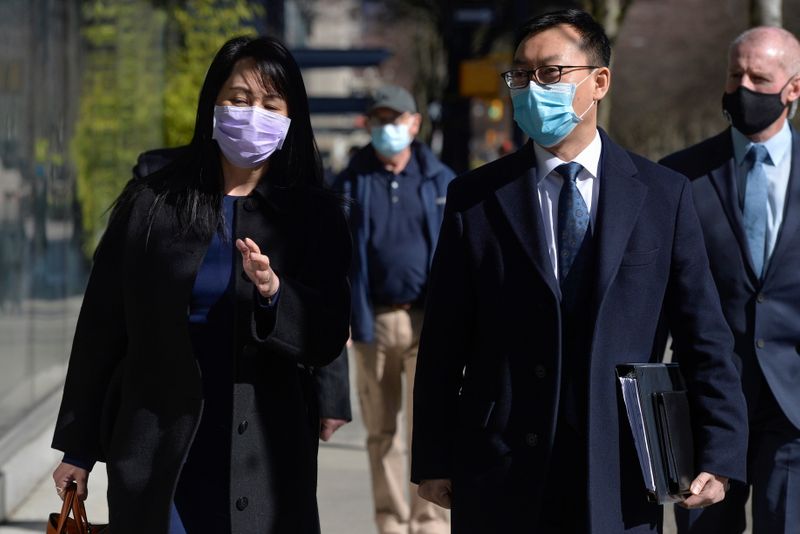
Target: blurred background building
[86,85]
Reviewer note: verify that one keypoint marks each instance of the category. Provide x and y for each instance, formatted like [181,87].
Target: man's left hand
[707,489]
[329,425]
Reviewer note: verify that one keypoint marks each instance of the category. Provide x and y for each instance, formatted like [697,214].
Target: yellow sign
[479,78]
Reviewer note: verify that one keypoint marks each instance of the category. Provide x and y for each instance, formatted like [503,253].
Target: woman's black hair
[298,162]
[194,182]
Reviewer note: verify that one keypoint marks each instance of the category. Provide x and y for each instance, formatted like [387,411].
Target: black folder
[658,412]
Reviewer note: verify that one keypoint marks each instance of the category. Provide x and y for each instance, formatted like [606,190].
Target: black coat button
[760,343]
[532,439]
[760,297]
[241,503]
[243,426]
[251,204]
[249,351]
[540,371]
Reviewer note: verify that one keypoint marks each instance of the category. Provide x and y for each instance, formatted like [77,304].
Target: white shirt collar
[589,158]
[778,146]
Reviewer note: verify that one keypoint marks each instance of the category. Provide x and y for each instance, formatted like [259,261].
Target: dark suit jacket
[489,366]
[133,394]
[763,314]
[332,381]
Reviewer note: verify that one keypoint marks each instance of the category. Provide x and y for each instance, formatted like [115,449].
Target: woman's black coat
[133,395]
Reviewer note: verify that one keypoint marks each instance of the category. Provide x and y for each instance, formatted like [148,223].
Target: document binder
[658,412]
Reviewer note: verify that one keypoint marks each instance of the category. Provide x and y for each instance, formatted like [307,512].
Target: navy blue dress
[201,498]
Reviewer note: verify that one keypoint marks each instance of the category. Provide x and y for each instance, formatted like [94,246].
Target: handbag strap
[75,505]
[66,506]
[79,513]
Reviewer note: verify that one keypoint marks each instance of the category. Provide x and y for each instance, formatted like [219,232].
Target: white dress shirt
[549,185]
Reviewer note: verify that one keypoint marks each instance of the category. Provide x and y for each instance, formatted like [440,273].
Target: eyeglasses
[543,75]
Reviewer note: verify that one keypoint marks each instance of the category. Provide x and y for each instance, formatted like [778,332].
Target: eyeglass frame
[533,76]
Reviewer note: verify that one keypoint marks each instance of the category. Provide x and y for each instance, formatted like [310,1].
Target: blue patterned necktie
[755,206]
[573,218]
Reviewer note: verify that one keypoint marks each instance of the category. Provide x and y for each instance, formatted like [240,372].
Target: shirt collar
[589,158]
[412,167]
[777,146]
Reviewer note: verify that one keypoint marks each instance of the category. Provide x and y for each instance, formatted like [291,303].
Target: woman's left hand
[258,268]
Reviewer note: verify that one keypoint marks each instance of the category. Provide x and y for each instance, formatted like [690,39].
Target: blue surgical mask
[390,139]
[545,112]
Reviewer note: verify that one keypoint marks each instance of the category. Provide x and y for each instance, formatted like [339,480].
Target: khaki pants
[379,368]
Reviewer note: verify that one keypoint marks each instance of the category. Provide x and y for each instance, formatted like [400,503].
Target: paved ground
[344,496]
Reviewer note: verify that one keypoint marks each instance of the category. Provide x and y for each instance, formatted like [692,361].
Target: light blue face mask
[545,112]
[390,139]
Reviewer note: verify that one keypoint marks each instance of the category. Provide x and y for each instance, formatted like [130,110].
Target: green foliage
[120,106]
[202,27]
[143,66]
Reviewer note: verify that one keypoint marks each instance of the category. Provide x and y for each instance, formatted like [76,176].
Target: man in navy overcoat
[755,260]
[555,264]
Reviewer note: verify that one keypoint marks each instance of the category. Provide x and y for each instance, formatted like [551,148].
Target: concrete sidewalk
[344,497]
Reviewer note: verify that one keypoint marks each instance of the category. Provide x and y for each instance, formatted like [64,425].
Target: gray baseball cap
[392,97]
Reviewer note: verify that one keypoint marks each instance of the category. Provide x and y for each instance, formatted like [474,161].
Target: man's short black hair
[594,41]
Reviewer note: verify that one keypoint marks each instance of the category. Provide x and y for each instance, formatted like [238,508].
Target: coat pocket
[475,413]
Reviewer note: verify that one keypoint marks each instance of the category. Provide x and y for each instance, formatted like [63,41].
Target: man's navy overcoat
[489,367]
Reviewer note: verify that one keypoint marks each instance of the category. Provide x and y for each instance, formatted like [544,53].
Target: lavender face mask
[248,136]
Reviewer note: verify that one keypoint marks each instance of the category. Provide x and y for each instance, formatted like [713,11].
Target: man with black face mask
[746,184]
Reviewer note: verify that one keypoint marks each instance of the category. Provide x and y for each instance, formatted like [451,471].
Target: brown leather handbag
[62,523]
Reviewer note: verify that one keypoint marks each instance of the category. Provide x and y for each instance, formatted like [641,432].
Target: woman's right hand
[68,473]
[257,267]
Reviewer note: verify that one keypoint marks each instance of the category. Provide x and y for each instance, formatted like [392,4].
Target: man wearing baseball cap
[398,190]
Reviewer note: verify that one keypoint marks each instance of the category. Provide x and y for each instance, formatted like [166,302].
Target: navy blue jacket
[355,183]
[763,314]
[489,368]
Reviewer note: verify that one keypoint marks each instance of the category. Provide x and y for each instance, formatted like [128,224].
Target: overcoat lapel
[619,202]
[723,178]
[519,201]
[791,217]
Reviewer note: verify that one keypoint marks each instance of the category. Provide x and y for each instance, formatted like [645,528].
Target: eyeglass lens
[544,75]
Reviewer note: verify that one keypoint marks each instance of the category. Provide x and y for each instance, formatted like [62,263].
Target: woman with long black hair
[219,284]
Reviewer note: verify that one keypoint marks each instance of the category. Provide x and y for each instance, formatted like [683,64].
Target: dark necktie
[755,206]
[573,218]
